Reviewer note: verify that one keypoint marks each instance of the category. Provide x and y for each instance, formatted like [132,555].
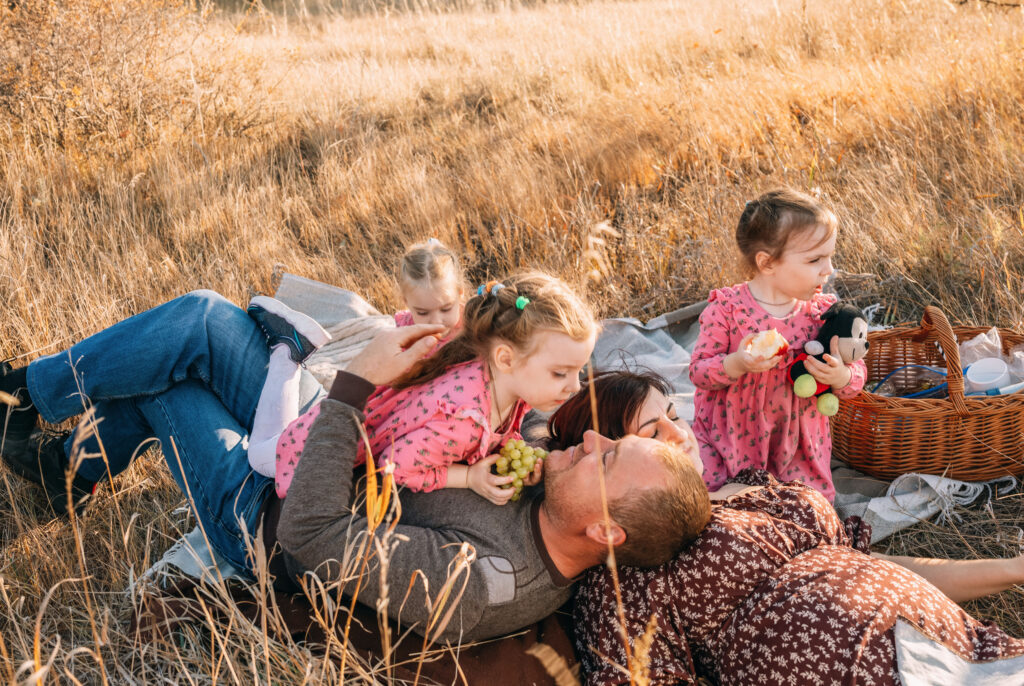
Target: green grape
[518,460]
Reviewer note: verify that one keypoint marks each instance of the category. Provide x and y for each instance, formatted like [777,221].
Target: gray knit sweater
[512,583]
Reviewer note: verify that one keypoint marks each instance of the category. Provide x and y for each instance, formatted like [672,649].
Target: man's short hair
[660,522]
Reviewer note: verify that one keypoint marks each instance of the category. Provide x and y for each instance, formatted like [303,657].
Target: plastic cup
[986,373]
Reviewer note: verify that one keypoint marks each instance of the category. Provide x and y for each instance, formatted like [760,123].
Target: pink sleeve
[860,373]
[707,364]
[421,457]
[403,318]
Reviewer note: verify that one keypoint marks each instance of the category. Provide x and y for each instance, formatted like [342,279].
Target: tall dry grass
[149,148]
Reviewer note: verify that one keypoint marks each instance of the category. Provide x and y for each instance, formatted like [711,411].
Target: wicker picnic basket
[970,438]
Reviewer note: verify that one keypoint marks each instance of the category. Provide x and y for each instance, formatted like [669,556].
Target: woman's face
[657,418]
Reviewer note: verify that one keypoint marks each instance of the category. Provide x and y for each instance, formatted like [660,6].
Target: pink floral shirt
[757,421]
[421,429]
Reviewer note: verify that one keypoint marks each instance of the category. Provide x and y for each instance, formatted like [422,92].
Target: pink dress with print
[757,421]
[421,429]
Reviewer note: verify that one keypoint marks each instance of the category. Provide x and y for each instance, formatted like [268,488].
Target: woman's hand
[487,485]
[741,362]
[830,372]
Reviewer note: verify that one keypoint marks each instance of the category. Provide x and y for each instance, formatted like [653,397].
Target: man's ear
[503,356]
[764,261]
[596,532]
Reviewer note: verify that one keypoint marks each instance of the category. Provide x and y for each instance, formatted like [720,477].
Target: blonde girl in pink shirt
[746,414]
[522,344]
[432,285]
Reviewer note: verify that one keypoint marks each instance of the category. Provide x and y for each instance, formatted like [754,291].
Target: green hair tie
[521,302]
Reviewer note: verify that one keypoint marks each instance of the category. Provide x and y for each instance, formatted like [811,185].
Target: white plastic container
[986,373]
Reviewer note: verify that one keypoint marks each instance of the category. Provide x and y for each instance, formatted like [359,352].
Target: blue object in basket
[935,391]
[1005,390]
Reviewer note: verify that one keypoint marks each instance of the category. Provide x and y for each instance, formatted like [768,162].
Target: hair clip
[490,288]
[431,242]
[521,302]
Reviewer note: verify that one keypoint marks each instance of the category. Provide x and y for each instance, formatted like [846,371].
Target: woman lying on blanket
[776,589]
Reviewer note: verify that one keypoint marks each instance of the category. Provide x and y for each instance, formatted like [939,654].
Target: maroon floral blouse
[775,591]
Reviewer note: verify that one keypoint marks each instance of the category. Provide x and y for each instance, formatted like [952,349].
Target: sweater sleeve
[320,527]
[707,364]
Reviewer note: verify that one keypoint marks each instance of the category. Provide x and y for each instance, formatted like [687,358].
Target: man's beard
[558,505]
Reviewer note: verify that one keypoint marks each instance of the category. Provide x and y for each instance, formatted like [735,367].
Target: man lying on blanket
[190,372]
[527,553]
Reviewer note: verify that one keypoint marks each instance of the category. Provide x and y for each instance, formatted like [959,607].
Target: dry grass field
[150,147]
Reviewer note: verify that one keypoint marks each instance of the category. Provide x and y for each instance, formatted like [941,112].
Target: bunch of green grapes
[518,459]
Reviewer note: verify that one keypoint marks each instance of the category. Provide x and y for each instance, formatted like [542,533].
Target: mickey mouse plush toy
[849,324]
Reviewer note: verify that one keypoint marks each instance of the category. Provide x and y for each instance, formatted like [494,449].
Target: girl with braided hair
[522,344]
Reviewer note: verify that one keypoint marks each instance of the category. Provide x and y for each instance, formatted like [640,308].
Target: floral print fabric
[421,429]
[403,318]
[775,591]
[757,421]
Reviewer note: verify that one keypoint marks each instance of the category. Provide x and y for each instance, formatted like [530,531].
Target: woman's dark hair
[619,396]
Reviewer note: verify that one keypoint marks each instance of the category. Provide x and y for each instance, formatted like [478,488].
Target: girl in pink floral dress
[523,343]
[746,414]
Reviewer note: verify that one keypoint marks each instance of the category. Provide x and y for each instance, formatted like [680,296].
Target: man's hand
[832,372]
[393,352]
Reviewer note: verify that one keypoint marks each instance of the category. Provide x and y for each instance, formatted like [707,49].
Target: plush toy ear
[831,312]
[813,348]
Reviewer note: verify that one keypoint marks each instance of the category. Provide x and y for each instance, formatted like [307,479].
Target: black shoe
[45,463]
[281,324]
[17,421]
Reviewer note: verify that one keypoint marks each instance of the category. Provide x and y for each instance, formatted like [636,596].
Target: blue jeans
[188,373]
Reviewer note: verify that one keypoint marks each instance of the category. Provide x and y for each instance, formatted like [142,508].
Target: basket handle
[935,320]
